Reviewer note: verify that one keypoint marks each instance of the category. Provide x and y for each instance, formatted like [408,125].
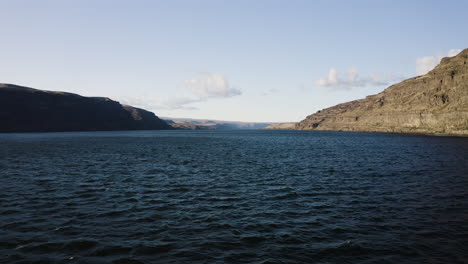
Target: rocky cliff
[434,103]
[24,109]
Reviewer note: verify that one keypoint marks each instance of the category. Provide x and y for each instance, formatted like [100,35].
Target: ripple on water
[232,197]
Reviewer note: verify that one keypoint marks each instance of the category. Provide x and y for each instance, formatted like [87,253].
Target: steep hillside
[434,103]
[24,109]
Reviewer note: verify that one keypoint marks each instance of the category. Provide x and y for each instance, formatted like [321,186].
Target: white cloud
[175,103]
[353,80]
[179,103]
[454,52]
[204,87]
[427,63]
[269,92]
[211,85]
[137,101]
[353,75]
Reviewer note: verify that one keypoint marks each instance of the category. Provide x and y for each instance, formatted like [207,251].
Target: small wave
[153,250]
[126,261]
[80,245]
[347,248]
[252,240]
[111,250]
[9,212]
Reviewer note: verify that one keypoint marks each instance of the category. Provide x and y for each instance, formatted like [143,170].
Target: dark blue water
[233,197]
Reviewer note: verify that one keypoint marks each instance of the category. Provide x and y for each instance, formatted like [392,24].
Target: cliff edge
[435,103]
[24,109]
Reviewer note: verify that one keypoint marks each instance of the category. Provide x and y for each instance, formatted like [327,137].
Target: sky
[238,60]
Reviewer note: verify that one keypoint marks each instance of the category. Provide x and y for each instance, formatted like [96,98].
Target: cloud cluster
[427,63]
[211,85]
[179,103]
[176,103]
[204,87]
[269,92]
[353,80]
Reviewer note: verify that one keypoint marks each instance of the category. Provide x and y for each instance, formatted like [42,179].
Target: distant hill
[24,109]
[434,103]
[203,124]
[288,125]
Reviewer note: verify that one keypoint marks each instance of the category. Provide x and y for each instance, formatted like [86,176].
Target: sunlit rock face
[24,109]
[434,103]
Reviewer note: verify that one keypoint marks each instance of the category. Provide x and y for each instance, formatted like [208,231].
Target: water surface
[233,197]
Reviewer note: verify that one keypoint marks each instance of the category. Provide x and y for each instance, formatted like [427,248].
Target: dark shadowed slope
[434,103]
[24,109]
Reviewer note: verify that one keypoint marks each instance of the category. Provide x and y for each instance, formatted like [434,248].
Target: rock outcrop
[435,103]
[24,109]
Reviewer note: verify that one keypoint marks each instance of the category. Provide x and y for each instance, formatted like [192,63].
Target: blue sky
[230,60]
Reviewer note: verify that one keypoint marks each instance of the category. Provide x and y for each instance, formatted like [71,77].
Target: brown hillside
[434,103]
